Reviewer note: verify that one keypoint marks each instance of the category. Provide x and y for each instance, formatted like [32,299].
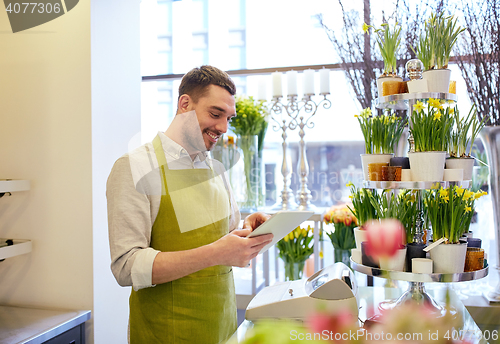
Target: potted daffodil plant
[450,212]
[431,126]
[462,140]
[434,48]
[388,41]
[381,134]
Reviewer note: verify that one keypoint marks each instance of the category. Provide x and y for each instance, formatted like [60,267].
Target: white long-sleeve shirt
[133,192]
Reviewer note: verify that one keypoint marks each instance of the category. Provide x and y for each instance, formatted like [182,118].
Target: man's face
[214,111]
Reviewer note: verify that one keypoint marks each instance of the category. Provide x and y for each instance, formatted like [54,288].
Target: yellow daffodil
[452,111]
[468,209]
[435,103]
[366,113]
[419,106]
[479,194]
[443,192]
[468,195]
[321,254]
[356,116]
[446,199]
[366,27]
[349,184]
[437,116]
[460,191]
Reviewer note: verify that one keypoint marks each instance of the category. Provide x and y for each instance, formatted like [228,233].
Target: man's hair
[195,82]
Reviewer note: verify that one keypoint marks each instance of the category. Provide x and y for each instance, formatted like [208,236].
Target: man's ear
[185,103]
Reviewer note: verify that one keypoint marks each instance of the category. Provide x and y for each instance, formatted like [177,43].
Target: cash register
[332,288]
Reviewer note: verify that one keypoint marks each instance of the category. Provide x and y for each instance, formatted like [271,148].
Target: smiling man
[173,222]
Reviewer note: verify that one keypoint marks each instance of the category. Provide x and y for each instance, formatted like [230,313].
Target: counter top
[19,325]
[369,299]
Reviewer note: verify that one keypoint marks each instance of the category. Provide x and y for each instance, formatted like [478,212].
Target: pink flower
[339,322]
[384,238]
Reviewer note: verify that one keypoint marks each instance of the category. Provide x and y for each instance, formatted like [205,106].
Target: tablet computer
[280,224]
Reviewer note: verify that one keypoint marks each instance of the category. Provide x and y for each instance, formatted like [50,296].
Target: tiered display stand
[416,290]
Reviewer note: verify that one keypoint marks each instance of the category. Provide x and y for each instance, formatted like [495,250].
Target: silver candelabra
[291,120]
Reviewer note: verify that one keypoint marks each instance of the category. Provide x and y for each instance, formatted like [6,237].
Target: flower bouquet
[342,237]
[294,249]
[250,124]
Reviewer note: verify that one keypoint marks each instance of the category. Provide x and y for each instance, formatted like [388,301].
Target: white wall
[116,81]
[45,136]
[67,112]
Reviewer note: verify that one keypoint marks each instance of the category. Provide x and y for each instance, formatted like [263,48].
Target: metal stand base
[416,293]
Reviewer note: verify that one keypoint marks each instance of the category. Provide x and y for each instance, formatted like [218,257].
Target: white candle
[309,81]
[277,84]
[324,81]
[262,89]
[291,77]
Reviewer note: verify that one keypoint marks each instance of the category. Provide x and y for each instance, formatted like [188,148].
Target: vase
[449,258]
[490,136]
[427,166]
[342,255]
[373,158]
[380,85]
[466,164]
[293,270]
[249,147]
[438,80]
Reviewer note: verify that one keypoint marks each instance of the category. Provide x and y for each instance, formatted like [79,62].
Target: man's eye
[214,115]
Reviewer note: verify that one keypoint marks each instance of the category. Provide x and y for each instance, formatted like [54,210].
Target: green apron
[200,307]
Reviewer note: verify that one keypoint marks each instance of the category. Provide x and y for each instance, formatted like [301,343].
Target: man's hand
[254,220]
[235,249]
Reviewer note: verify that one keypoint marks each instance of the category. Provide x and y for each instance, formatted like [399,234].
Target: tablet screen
[280,224]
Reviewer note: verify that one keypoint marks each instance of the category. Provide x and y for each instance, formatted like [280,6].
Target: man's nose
[222,125]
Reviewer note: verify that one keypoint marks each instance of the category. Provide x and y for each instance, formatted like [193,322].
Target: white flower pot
[427,166]
[382,79]
[359,236]
[396,262]
[438,80]
[453,174]
[449,258]
[417,86]
[371,158]
[466,164]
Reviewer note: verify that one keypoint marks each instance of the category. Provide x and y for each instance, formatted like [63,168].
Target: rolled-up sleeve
[129,225]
